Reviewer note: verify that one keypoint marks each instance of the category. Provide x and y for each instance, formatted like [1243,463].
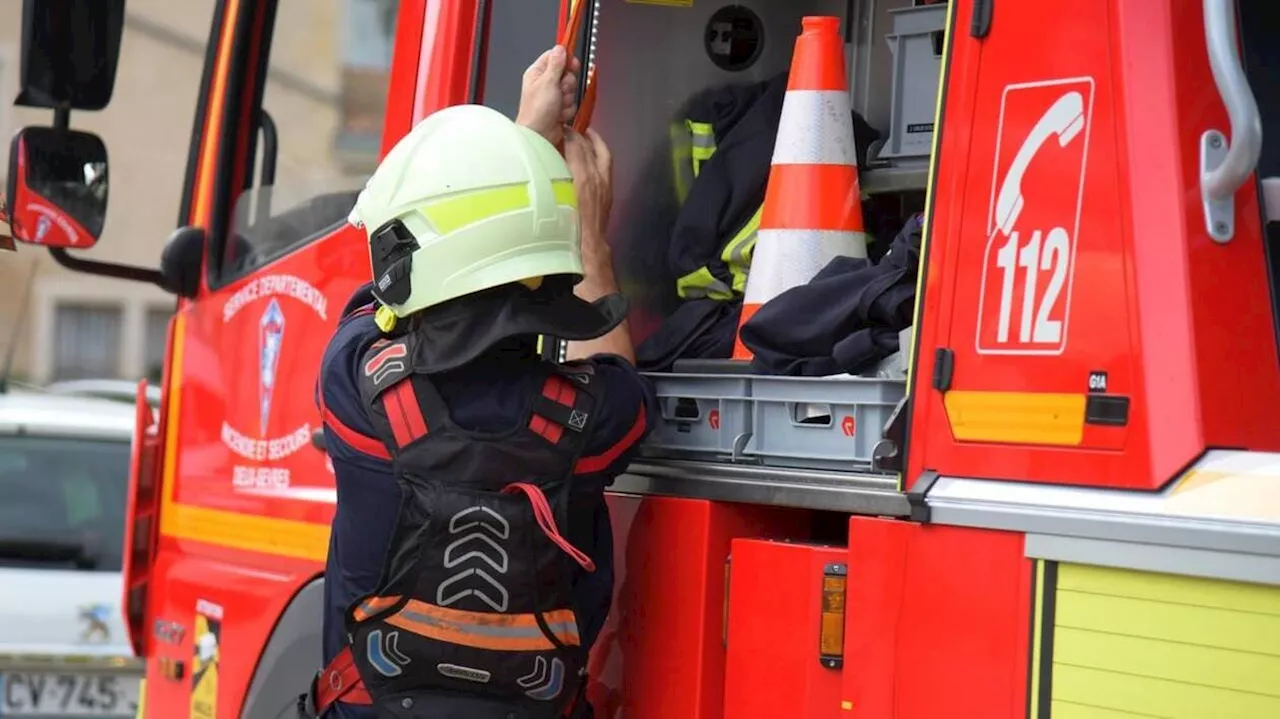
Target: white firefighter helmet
[467,200]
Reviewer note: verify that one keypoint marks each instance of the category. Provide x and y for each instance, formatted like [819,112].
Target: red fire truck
[1069,507]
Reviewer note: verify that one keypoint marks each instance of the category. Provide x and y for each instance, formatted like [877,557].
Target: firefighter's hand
[547,94]
[592,168]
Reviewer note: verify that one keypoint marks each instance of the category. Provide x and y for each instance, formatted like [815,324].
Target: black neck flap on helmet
[391,249]
[484,323]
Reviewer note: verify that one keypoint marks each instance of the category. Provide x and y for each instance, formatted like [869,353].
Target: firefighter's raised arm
[592,168]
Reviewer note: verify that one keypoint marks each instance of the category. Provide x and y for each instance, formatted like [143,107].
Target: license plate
[50,694]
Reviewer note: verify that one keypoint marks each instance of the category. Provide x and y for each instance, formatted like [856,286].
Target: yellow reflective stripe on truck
[235,530]
[1044,418]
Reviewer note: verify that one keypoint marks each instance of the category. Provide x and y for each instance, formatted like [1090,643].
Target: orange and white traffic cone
[813,203]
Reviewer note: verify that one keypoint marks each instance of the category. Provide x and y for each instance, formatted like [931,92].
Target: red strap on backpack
[404,413]
[339,682]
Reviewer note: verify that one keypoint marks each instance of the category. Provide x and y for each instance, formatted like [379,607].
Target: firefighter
[470,561]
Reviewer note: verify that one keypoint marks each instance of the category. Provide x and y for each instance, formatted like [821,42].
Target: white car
[64,465]
[121,389]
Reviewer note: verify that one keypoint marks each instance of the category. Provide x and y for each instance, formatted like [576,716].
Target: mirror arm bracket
[106,269]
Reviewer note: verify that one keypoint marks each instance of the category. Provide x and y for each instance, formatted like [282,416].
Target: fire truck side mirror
[57,190]
[69,53]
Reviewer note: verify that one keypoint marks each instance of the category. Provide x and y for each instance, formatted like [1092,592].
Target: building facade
[326,93]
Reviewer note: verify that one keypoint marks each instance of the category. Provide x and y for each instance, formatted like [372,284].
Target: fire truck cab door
[248,498]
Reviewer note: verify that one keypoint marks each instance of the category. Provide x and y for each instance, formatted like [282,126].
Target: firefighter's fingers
[603,158]
[580,156]
[538,67]
[557,60]
[549,64]
[568,95]
[578,153]
[569,85]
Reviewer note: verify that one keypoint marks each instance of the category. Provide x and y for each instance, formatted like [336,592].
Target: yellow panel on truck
[1140,644]
[1147,604]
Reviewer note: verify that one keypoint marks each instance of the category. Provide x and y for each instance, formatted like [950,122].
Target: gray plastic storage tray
[801,422]
[820,422]
[917,64]
[702,416]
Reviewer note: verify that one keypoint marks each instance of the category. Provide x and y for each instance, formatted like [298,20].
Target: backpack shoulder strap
[401,405]
[563,410]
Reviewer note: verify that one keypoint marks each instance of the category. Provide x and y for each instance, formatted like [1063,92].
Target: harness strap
[404,413]
[557,410]
[339,682]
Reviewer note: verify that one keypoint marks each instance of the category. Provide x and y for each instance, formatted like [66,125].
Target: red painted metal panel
[937,622]
[444,59]
[1067,239]
[661,653]
[775,605]
[405,61]
[252,593]
[1235,349]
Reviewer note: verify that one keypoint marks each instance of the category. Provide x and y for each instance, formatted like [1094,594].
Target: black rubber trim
[944,368]
[479,53]
[1044,701]
[980,21]
[107,269]
[917,497]
[202,107]
[1110,410]
[931,204]
[241,43]
[259,92]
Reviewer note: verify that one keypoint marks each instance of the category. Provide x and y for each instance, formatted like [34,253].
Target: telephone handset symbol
[1064,120]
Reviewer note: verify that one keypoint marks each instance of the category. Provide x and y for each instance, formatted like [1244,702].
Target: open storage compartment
[654,58]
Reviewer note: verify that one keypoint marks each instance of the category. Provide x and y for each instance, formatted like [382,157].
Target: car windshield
[62,502]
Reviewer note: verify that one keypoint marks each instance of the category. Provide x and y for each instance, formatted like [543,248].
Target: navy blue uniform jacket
[484,395]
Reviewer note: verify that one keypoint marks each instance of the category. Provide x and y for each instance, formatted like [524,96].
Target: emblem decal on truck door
[1037,189]
[257,319]
[271,328]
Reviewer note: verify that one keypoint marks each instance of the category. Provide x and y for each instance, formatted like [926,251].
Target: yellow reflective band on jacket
[736,255]
[681,160]
[704,143]
[457,211]
[701,284]
[737,252]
